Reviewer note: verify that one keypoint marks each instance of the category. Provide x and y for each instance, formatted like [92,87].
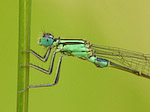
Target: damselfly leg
[56,79]
[49,71]
[42,58]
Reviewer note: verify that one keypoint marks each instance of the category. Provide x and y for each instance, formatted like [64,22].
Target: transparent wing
[133,60]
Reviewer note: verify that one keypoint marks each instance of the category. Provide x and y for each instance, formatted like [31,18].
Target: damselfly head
[46,40]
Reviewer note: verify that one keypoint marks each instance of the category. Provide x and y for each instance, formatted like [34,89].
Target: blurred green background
[82,86]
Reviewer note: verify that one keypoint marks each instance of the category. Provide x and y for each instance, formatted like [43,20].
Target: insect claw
[25,65]
[26,51]
[23,90]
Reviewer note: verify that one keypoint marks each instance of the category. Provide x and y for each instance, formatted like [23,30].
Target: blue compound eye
[46,40]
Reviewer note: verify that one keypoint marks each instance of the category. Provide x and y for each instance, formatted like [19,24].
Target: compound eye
[47,40]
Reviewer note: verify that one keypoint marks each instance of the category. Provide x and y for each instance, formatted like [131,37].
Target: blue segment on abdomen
[101,62]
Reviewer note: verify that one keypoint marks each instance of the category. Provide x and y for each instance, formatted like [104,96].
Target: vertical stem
[23,57]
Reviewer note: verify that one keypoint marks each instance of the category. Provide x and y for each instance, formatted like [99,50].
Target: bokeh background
[82,86]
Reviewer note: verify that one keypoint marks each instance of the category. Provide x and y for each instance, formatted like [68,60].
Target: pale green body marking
[80,49]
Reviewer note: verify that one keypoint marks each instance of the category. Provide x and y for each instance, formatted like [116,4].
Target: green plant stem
[23,57]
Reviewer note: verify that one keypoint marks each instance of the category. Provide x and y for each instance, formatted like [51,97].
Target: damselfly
[102,56]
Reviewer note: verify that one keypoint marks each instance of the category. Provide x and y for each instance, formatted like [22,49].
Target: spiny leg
[42,58]
[49,71]
[56,79]
[46,71]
